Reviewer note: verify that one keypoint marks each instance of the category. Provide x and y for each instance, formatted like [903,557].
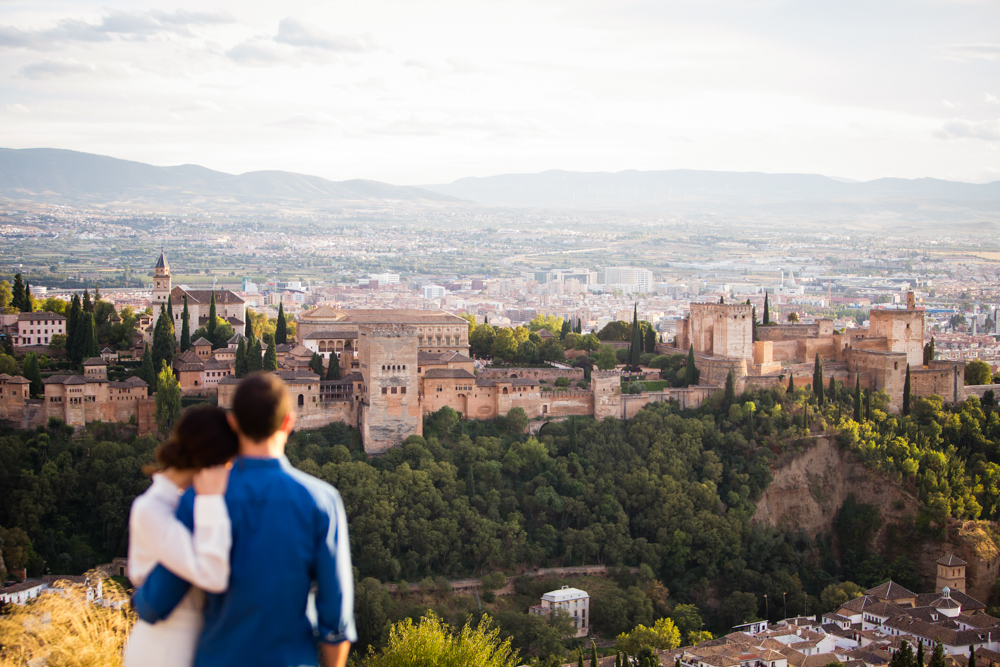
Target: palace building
[228,305]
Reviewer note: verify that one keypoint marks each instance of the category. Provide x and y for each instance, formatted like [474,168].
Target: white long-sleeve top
[156,536]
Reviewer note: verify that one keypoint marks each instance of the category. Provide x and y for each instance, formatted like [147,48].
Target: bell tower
[161,280]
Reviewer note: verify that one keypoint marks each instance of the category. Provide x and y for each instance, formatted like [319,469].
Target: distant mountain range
[683,187]
[62,176]
[923,205]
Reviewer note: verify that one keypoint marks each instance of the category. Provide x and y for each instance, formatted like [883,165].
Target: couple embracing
[249,566]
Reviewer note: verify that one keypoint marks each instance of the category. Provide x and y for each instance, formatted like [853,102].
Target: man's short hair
[261,404]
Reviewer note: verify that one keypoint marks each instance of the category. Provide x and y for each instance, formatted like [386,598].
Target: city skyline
[417,94]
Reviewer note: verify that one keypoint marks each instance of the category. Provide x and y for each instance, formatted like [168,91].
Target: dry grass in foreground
[62,629]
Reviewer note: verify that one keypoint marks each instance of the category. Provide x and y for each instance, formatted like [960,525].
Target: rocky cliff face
[809,489]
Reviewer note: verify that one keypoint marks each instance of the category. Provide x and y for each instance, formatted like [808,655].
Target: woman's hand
[212,481]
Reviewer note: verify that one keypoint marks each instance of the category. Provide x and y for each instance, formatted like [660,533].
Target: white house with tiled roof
[37,328]
[571,601]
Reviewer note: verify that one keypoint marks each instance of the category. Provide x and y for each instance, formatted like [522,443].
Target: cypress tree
[906,397]
[271,358]
[832,389]
[691,370]
[17,299]
[88,342]
[163,339]
[753,331]
[650,340]
[722,300]
[635,346]
[857,400]
[256,361]
[27,306]
[791,383]
[818,381]
[931,351]
[920,653]
[333,370]
[241,360]
[729,397]
[281,328]
[146,371]
[593,655]
[767,311]
[972,656]
[937,657]
[185,326]
[97,295]
[88,306]
[566,328]
[579,659]
[72,327]
[32,372]
[316,364]
[248,327]
[210,325]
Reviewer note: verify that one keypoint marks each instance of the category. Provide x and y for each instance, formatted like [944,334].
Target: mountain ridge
[59,175]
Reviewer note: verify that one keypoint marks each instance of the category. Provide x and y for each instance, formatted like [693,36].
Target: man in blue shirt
[289,530]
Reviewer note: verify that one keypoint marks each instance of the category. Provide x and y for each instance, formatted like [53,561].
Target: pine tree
[32,372]
[818,381]
[691,370]
[88,306]
[791,384]
[27,306]
[211,324]
[333,370]
[729,397]
[857,400]
[17,301]
[163,339]
[271,358]
[241,360]
[185,326]
[906,393]
[146,371]
[281,328]
[767,311]
[316,364]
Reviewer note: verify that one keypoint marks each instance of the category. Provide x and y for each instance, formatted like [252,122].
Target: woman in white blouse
[197,454]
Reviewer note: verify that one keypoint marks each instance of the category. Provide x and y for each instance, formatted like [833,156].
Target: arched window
[302,400]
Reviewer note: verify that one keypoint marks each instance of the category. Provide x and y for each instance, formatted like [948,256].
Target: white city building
[574,602]
[434,292]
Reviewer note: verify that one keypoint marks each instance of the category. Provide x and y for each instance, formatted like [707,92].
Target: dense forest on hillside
[669,492]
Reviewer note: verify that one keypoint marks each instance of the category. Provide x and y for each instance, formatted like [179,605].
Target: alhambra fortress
[400,365]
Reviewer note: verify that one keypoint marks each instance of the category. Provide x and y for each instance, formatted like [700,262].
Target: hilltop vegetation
[667,492]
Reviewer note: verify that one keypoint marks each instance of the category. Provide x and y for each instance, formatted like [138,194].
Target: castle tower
[607,388]
[390,411]
[161,281]
[950,574]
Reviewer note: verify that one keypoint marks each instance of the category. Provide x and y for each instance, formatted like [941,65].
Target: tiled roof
[41,315]
[316,335]
[890,590]
[222,296]
[95,361]
[951,560]
[161,263]
[387,316]
[201,342]
[457,373]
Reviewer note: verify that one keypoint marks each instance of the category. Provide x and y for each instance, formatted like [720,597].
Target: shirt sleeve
[202,559]
[335,578]
[163,590]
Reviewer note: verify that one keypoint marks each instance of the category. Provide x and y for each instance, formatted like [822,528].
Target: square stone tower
[721,330]
[390,409]
[607,388]
[950,573]
[902,329]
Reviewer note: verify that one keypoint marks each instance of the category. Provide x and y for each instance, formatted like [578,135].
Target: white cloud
[959,128]
[200,105]
[15,108]
[257,52]
[991,99]
[965,52]
[296,33]
[50,69]
[128,25]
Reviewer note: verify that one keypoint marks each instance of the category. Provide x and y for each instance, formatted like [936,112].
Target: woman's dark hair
[201,439]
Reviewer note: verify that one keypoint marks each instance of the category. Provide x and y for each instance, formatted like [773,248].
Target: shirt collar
[249,462]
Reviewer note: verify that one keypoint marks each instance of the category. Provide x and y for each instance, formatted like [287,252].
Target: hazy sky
[426,91]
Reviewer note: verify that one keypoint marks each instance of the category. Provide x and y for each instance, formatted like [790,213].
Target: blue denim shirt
[289,530]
